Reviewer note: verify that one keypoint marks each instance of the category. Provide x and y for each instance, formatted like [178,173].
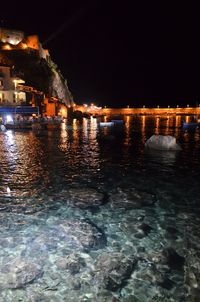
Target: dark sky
[118,53]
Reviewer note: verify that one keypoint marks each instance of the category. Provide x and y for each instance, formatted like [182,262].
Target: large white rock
[162,142]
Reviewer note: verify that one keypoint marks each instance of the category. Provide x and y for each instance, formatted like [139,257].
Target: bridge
[139,111]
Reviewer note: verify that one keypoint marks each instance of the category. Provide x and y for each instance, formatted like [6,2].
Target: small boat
[118,122]
[106,124]
[192,125]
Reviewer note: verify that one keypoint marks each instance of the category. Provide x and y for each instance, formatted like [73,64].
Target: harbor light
[158,106]
[9,119]
[143,106]
[24,45]
[188,105]
[7,47]
[177,106]
[127,106]
[168,106]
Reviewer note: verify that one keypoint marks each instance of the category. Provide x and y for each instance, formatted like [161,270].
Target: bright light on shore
[9,119]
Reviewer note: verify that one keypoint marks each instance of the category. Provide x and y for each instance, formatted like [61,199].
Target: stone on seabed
[19,272]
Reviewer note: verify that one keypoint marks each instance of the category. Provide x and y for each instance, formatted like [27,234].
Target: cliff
[38,72]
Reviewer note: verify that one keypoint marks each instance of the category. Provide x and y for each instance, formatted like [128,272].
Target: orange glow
[187,119]
[105,118]
[157,125]
[24,45]
[7,47]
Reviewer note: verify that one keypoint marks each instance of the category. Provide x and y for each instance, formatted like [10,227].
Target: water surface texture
[88,214]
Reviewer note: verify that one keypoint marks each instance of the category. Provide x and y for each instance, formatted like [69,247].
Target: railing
[11,104]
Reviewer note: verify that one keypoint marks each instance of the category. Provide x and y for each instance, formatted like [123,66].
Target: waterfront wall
[140,111]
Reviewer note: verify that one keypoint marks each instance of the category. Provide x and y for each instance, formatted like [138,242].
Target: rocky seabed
[85,245]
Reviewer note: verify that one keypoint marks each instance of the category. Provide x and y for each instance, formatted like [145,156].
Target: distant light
[177,106]
[188,105]
[105,106]
[24,45]
[9,119]
[158,106]
[143,106]
[127,106]
[7,46]
[168,106]
[85,105]
[92,104]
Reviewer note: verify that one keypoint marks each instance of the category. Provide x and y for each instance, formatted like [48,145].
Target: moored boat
[106,124]
[118,122]
[191,125]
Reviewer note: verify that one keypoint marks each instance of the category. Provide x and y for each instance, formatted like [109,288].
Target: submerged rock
[82,234]
[169,257]
[131,198]
[19,272]
[113,269]
[85,197]
[192,274]
[72,263]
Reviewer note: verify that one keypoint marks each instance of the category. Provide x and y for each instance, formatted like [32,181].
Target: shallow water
[45,172]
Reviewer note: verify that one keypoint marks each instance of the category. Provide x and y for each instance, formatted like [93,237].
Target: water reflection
[30,162]
[127,130]
[43,167]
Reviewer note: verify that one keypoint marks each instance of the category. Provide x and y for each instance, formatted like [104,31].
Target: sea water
[87,213]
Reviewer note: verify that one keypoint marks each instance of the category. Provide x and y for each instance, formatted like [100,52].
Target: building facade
[10,94]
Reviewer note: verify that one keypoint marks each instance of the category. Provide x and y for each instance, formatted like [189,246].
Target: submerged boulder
[130,198]
[85,197]
[72,263]
[168,256]
[19,272]
[162,142]
[81,234]
[113,269]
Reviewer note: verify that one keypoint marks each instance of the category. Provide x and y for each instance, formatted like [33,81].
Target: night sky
[118,53]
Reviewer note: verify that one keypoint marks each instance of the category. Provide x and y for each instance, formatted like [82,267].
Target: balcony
[6,103]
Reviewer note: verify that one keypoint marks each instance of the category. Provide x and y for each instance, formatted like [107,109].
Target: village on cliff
[30,82]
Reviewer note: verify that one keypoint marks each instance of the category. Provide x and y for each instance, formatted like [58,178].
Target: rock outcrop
[39,73]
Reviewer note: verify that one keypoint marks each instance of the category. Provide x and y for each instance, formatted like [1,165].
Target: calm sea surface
[88,214]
